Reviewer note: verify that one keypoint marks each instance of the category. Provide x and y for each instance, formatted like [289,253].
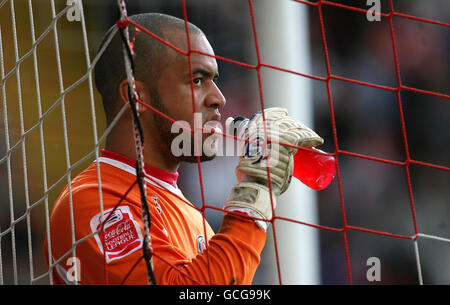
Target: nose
[215,97]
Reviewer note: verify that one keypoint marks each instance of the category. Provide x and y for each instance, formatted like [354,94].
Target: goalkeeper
[184,248]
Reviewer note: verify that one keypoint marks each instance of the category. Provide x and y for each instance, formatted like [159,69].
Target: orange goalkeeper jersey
[185,248]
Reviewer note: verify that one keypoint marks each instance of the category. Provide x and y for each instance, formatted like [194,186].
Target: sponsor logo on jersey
[121,234]
[158,206]
[201,243]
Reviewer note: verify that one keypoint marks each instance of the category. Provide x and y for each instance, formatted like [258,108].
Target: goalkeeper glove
[260,156]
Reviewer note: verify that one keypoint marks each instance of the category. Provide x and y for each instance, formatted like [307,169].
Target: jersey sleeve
[232,257]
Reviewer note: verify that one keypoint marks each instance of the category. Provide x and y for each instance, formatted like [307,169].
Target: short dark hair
[150,56]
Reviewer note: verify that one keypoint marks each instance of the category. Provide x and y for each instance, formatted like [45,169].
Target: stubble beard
[163,125]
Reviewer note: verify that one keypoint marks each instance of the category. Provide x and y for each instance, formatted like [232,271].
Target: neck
[156,154]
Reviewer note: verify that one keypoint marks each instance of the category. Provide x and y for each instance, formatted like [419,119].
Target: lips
[215,117]
[213,125]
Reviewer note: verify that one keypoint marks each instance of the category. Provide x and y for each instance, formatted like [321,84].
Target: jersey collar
[168,177]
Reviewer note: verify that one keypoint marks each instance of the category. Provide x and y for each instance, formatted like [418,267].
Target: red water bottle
[312,166]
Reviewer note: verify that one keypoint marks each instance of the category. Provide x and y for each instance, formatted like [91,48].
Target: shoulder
[93,190]
[110,180]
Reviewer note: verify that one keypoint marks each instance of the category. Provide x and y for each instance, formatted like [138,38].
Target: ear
[141,90]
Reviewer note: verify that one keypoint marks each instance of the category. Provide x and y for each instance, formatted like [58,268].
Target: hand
[278,158]
[274,155]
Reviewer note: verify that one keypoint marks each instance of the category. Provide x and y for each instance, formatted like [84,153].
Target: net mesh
[381,196]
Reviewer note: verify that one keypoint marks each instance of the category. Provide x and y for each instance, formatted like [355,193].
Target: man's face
[182,91]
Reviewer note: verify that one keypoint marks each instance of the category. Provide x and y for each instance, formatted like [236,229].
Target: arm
[232,257]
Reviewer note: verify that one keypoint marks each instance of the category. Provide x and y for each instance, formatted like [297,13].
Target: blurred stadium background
[367,122]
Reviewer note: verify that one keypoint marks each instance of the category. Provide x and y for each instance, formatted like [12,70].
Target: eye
[197,81]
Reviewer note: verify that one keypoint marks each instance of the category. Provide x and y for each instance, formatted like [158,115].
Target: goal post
[284,42]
